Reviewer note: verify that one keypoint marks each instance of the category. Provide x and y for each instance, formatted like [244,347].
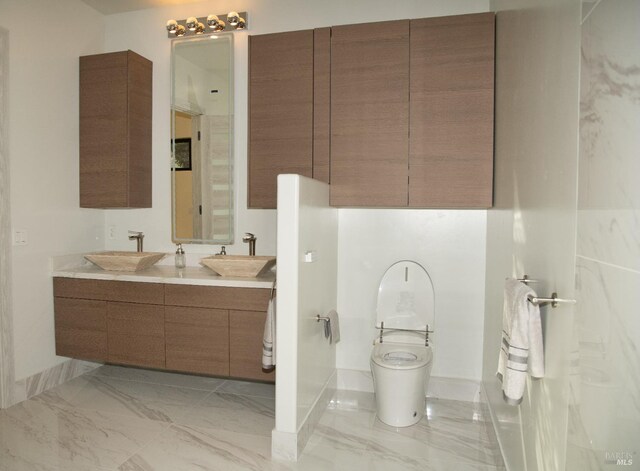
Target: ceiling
[109,7]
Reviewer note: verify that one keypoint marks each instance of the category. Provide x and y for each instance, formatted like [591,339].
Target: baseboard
[439,387]
[59,374]
[492,429]
[289,446]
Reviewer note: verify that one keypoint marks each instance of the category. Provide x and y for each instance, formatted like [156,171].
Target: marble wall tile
[604,408]
[609,196]
[604,412]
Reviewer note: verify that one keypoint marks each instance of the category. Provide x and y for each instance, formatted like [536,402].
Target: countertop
[73,266]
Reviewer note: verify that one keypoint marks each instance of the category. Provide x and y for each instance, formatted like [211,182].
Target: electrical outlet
[112,232]
[20,237]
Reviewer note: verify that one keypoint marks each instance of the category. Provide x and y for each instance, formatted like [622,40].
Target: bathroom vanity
[188,321]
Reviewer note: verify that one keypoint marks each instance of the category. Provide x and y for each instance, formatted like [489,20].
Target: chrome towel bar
[539,301]
[553,300]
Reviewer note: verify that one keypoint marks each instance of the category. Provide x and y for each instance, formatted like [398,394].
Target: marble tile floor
[130,419]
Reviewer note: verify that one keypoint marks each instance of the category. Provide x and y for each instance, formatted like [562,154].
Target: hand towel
[269,337]
[521,347]
[332,327]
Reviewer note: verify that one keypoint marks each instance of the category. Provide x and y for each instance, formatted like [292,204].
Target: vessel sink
[246,266]
[124,261]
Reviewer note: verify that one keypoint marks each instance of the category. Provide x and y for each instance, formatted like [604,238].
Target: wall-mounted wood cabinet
[193,329]
[115,130]
[287,72]
[401,113]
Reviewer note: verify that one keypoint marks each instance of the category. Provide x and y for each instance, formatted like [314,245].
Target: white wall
[532,228]
[450,245]
[43,149]
[306,361]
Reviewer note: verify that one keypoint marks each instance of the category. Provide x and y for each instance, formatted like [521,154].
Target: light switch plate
[20,237]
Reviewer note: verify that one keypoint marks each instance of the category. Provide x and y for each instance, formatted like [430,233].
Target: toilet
[401,358]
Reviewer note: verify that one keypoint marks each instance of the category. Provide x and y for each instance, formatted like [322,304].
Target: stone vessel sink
[124,261]
[245,266]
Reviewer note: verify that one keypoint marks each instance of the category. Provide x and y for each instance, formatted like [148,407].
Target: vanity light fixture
[207,25]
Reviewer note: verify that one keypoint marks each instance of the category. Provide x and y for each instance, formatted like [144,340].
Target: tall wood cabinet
[451,113]
[115,130]
[369,114]
[288,110]
[280,111]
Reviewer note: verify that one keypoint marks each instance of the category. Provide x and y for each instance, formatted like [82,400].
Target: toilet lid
[405,297]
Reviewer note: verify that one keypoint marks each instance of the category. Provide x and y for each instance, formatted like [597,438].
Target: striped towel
[521,347]
[269,337]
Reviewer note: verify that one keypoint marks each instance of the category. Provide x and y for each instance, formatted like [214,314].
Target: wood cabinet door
[280,111]
[246,330]
[197,340]
[115,130]
[136,334]
[451,114]
[81,328]
[370,114]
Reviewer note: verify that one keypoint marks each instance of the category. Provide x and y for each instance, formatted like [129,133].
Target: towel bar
[554,300]
[526,280]
[321,318]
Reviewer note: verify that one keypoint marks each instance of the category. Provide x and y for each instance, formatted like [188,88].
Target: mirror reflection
[202,139]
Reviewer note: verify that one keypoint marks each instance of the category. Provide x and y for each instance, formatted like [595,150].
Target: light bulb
[172,26]
[233,18]
[241,24]
[192,23]
[199,28]
[212,21]
[180,31]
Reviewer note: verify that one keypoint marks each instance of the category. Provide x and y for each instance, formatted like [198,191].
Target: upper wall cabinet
[451,114]
[288,72]
[115,130]
[369,114]
[412,113]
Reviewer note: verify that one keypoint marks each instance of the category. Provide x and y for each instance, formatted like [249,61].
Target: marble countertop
[76,267]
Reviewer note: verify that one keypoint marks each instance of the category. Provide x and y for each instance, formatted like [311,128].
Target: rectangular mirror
[202,139]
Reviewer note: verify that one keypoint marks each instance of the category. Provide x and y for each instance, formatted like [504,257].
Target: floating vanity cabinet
[370,114]
[115,130]
[246,330]
[451,112]
[287,73]
[209,330]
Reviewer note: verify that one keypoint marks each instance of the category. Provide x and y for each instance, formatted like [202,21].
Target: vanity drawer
[136,334]
[81,328]
[108,290]
[197,340]
[250,299]
[81,289]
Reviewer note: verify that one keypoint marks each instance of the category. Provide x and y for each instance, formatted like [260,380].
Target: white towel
[269,337]
[521,347]
[332,327]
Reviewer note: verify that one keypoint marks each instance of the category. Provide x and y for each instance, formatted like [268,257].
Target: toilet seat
[401,356]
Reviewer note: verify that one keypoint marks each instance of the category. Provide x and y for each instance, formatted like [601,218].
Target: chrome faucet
[251,239]
[138,236]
